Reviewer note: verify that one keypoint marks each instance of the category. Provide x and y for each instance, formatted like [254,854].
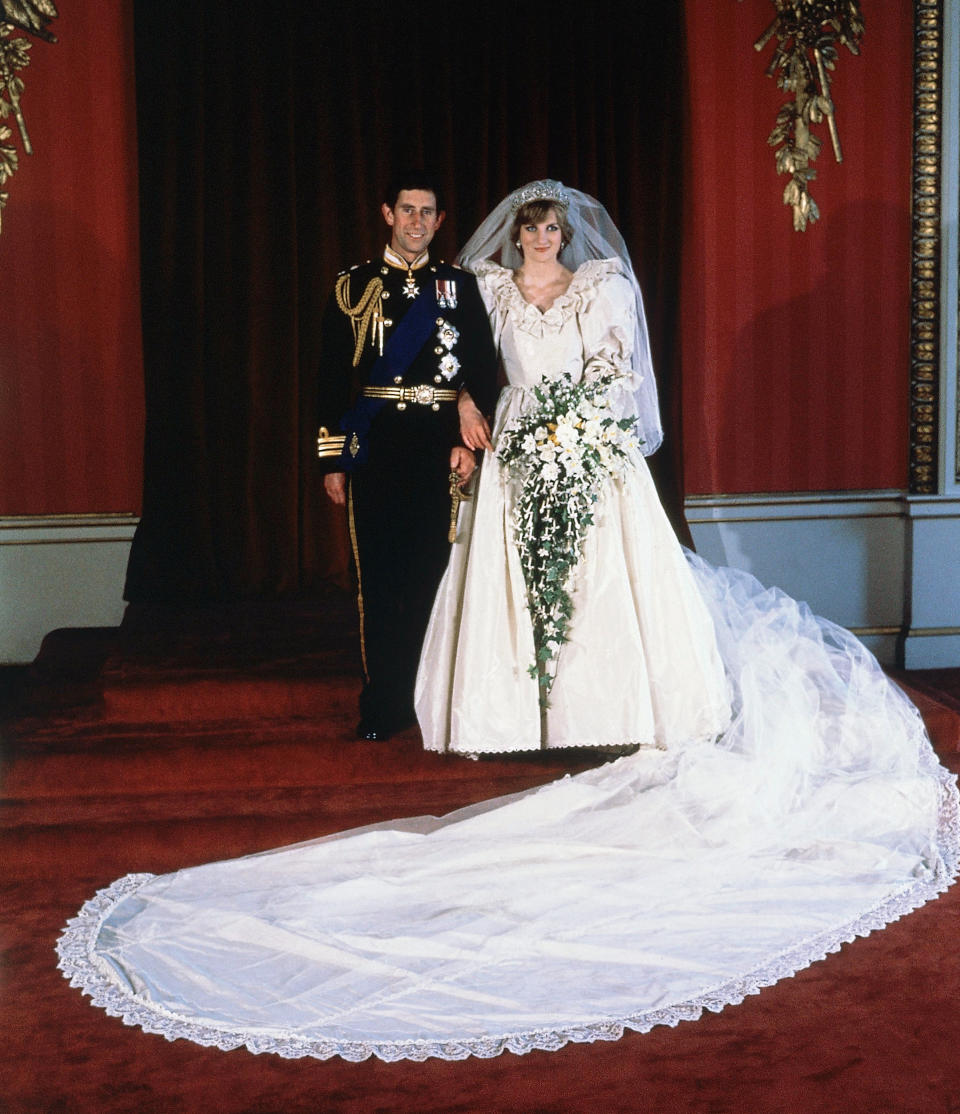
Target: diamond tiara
[547,190]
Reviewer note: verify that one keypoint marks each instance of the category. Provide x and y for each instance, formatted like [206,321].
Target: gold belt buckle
[423,394]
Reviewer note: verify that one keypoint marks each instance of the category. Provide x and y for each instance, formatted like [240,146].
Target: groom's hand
[463,462]
[335,485]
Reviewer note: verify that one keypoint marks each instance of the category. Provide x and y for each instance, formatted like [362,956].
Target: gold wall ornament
[31,16]
[925,375]
[807,33]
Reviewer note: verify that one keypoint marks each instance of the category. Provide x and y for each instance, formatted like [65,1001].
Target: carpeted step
[67,671]
[231,661]
[198,696]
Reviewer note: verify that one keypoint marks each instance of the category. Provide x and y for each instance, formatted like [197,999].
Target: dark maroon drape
[263,150]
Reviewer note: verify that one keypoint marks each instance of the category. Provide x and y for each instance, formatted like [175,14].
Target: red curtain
[263,150]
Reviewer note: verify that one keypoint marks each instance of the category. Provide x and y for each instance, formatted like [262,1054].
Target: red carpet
[185,737]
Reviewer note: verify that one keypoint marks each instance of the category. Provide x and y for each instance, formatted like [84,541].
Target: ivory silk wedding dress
[641,665]
[790,802]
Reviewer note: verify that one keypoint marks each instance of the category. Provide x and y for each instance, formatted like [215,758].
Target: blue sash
[398,354]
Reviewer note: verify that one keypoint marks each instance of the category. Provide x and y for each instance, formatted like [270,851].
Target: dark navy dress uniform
[398,496]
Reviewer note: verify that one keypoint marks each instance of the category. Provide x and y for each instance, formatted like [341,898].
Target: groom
[405,340]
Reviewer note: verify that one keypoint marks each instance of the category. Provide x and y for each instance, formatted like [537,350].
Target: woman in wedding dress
[639,665]
[794,804]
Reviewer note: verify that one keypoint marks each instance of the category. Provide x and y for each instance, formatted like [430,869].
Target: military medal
[410,288]
[447,293]
[448,335]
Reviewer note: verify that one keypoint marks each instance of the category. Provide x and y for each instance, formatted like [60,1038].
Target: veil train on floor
[635,894]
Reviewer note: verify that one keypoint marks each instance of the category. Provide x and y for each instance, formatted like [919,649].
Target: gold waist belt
[422,394]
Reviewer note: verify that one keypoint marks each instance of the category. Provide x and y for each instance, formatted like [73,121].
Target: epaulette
[353,267]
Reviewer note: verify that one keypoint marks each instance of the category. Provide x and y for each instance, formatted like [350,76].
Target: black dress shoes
[372,731]
[377,729]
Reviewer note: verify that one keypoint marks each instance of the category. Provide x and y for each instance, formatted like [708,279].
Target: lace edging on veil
[93,976]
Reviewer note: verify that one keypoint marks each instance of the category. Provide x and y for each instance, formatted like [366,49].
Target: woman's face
[540,242]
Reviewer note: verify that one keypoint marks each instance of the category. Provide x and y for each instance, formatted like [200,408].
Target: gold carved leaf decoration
[31,16]
[807,34]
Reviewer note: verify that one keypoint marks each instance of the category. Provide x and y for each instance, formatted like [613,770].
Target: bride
[639,663]
[784,798]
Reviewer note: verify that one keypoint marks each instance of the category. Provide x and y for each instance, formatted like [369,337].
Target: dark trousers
[400,511]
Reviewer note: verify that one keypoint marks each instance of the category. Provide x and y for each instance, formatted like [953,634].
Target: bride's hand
[463,462]
[474,429]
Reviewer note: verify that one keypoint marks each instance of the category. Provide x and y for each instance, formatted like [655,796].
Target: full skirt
[640,667]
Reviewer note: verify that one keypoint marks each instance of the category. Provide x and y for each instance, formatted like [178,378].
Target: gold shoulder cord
[362,313]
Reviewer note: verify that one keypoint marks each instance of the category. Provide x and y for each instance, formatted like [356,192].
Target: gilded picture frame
[925,247]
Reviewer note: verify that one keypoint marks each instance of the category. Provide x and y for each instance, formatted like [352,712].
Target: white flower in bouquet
[567,433]
[561,451]
[572,464]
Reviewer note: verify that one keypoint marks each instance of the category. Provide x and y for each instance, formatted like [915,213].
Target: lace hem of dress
[615,750]
[82,966]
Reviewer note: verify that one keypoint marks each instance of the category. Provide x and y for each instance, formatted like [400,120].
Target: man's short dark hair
[412,180]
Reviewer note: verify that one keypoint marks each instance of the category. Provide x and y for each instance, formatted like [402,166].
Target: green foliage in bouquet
[560,451]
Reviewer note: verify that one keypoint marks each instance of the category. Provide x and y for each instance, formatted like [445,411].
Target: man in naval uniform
[405,343]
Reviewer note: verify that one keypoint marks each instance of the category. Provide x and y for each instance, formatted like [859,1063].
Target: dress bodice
[589,326]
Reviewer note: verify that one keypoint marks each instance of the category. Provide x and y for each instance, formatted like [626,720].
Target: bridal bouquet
[560,450]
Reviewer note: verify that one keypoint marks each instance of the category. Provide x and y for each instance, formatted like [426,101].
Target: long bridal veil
[636,894]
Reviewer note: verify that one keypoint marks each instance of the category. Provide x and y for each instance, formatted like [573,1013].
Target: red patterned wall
[71,375]
[796,345]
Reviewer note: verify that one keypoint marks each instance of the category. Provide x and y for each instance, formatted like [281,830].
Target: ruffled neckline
[578,295]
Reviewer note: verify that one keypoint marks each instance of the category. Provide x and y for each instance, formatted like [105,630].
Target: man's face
[414,219]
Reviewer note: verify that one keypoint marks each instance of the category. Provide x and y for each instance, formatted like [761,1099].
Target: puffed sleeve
[608,327]
[490,278]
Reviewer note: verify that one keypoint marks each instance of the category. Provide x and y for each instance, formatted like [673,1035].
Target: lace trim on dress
[526,316]
[84,968]
[613,749]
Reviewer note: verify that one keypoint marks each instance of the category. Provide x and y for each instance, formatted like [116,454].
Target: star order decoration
[808,33]
[31,16]
[410,288]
